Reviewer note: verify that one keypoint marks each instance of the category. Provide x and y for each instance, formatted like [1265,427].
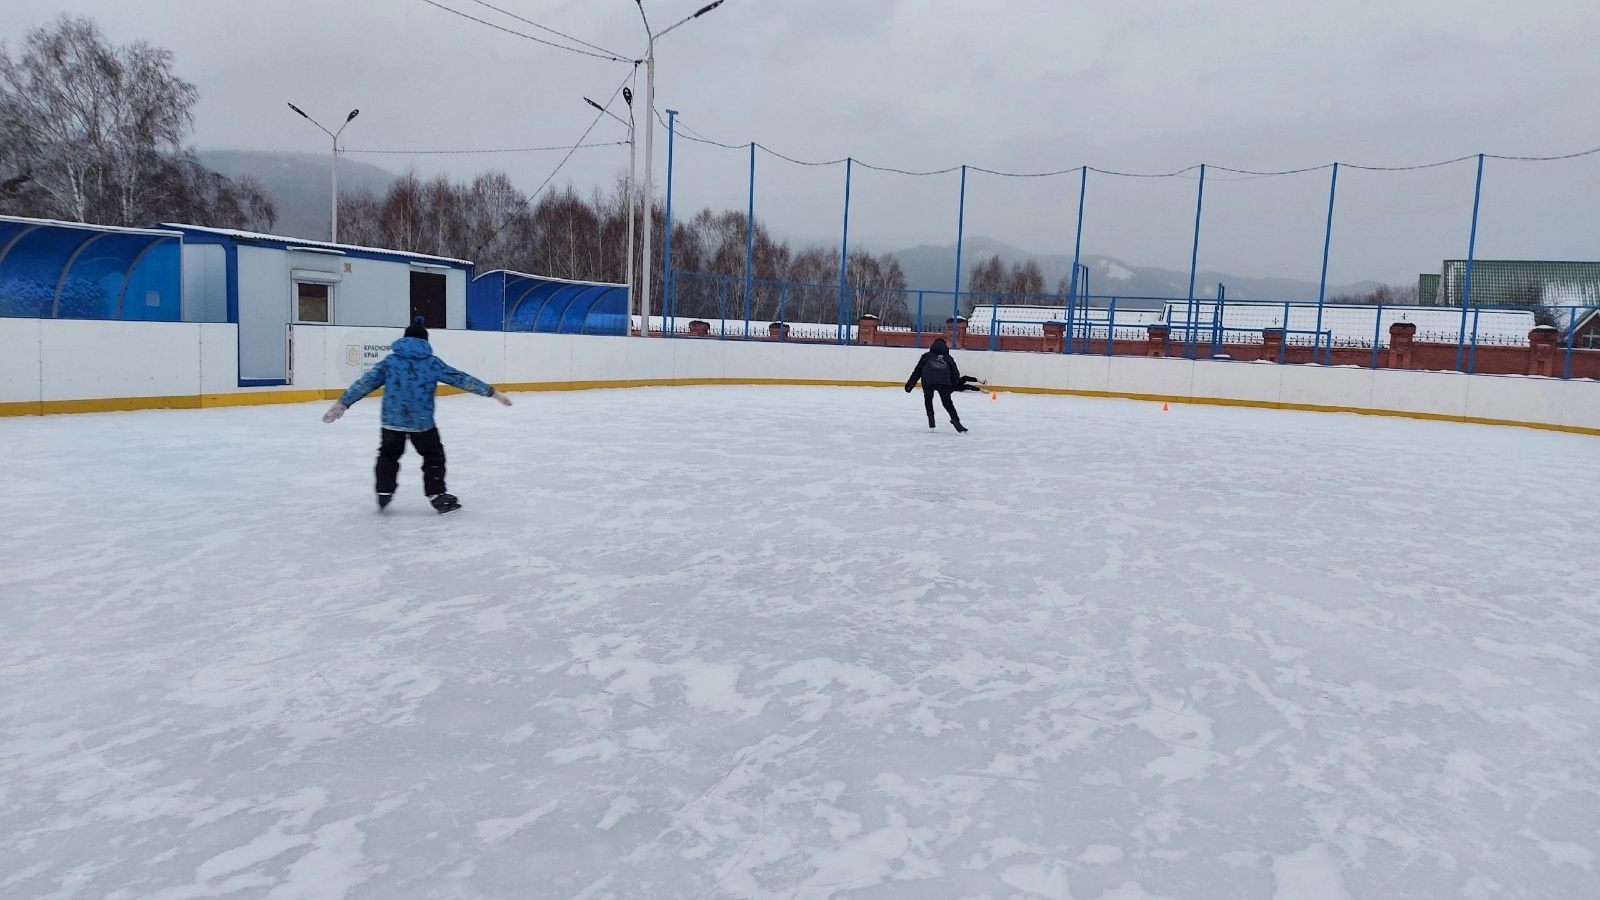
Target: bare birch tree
[97,131]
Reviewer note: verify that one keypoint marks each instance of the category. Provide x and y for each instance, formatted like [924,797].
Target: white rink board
[69,360]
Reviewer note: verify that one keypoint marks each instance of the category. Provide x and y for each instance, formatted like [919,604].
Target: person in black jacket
[939,374]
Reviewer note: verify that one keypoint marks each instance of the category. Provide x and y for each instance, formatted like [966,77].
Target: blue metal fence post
[1216,319]
[750,244]
[919,320]
[1283,345]
[961,232]
[1085,292]
[844,247]
[1077,253]
[1472,251]
[994,319]
[783,308]
[1377,334]
[1472,354]
[1327,244]
[1572,331]
[1199,207]
[669,301]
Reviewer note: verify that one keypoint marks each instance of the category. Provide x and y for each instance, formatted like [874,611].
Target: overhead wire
[1545,158]
[575,40]
[511,216]
[606,55]
[1432,165]
[500,150]
[697,137]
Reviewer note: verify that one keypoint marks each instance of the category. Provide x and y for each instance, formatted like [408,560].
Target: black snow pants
[393,445]
[943,391]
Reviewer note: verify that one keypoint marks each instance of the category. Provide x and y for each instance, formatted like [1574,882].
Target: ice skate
[445,503]
[384,499]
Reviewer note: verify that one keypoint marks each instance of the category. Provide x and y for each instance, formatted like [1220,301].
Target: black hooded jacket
[936,369]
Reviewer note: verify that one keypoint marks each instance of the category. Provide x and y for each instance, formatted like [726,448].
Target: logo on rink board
[364,356]
[360,354]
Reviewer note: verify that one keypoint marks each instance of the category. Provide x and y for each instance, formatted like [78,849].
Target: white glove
[334,412]
[500,395]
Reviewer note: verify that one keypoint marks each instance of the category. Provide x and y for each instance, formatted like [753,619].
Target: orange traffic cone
[994,395]
[1165,407]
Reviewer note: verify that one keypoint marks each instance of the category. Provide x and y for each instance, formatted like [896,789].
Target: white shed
[266,282]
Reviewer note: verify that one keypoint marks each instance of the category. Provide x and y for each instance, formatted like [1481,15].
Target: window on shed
[312,303]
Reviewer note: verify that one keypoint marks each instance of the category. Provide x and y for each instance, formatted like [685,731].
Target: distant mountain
[932,268]
[298,183]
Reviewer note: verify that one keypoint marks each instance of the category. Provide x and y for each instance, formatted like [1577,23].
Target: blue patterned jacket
[408,377]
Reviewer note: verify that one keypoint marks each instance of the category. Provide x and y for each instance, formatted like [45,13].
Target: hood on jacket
[939,346]
[412,348]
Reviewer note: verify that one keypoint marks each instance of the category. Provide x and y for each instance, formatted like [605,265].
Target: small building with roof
[266,282]
[1514,282]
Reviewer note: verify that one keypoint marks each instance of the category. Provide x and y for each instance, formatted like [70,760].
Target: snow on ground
[785,642]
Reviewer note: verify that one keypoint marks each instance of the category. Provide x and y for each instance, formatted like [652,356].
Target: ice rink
[787,643]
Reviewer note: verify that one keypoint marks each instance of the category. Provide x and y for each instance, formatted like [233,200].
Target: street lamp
[333,225]
[627,97]
[649,150]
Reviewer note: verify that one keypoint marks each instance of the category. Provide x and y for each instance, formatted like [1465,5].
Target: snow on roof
[260,237]
[1345,324]
[110,229]
[515,274]
[1020,319]
[1358,324]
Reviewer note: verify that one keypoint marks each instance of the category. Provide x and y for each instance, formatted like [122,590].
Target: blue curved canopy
[59,270]
[511,301]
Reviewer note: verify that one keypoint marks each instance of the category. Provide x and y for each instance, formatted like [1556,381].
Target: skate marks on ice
[768,643]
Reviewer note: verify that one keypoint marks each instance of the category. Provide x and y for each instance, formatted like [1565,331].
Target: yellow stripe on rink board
[261,398]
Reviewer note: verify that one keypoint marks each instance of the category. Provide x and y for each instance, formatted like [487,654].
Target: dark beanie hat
[416,330]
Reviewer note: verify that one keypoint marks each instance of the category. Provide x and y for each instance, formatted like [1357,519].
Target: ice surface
[785,642]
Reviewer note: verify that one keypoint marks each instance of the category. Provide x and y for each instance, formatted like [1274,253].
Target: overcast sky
[1019,85]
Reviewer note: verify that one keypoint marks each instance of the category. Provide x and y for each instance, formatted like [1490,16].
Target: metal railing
[1214,326]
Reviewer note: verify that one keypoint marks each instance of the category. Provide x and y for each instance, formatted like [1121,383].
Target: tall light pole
[333,222]
[627,97]
[649,153]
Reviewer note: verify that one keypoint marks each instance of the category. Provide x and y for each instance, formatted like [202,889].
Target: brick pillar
[1401,336]
[698,328]
[1272,345]
[959,340]
[1156,340]
[1055,337]
[867,330]
[778,331]
[1542,343]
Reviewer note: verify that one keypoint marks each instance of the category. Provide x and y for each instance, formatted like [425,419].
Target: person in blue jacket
[408,377]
